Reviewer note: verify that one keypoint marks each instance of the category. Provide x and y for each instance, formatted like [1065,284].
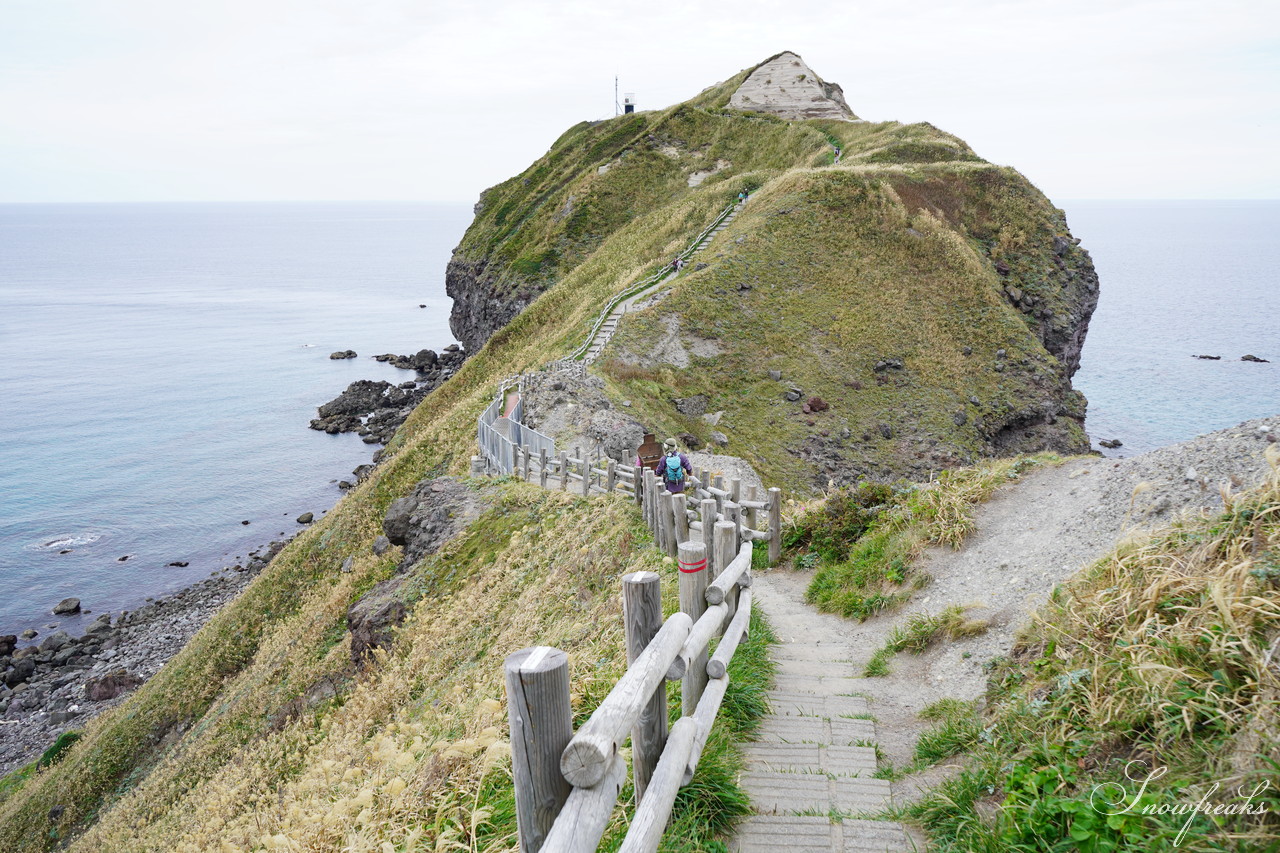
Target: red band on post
[693,568]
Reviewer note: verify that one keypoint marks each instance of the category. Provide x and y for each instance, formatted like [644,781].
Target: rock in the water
[306,518]
[1110,443]
[341,354]
[1254,358]
[66,605]
[1209,357]
[181,564]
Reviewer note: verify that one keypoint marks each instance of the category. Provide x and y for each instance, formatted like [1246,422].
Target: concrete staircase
[610,325]
[813,767]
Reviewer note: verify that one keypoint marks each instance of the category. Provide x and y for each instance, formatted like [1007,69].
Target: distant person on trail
[742,196]
[673,468]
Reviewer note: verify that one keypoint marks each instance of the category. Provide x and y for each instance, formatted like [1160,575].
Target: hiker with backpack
[673,468]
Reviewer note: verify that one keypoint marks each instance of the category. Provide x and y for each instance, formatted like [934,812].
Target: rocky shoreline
[374,409]
[59,682]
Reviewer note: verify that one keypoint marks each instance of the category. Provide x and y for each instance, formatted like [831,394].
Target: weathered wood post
[708,510]
[639,484]
[682,519]
[586,477]
[692,562]
[669,523]
[541,723]
[735,489]
[542,467]
[752,515]
[726,549]
[528,460]
[642,616]
[564,470]
[610,476]
[775,525]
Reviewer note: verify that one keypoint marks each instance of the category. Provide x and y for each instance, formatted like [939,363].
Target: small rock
[775,375]
[306,518]
[348,565]
[719,438]
[66,606]
[1000,353]
[1110,443]
[29,634]
[960,418]
[626,404]
[817,404]
[967,351]
[974,400]
[341,354]
[381,545]
[1254,358]
[1191,474]
[1209,357]
[886,431]
[794,394]
[181,564]
[122,559]
[246,521]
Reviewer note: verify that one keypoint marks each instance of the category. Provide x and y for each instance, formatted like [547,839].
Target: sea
[159,364]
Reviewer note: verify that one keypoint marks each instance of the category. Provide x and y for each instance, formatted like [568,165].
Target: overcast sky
[139,100]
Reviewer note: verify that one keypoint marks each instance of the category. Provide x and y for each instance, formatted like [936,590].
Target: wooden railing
[566,783]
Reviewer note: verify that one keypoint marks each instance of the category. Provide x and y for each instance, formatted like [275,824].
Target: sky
[435,100]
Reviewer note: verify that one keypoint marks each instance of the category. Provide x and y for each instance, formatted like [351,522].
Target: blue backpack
[673,472]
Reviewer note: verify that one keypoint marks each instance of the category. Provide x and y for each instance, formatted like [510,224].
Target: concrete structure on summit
[785,86]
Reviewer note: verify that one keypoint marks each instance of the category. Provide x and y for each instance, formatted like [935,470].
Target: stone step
[811,758]
[785,704]
[789,793]
[831,685]
[818,730]
[814,668]
[818,652]
[796,834]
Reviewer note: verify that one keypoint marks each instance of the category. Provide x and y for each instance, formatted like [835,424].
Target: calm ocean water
[159,364]
[1178,279]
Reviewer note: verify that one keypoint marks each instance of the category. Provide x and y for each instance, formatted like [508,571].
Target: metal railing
[500,435]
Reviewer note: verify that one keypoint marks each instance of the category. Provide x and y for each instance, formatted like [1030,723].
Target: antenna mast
[616,109]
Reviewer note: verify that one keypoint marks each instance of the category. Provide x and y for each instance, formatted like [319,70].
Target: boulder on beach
[306,518]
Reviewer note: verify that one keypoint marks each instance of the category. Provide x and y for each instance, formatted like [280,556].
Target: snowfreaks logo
[1112,799]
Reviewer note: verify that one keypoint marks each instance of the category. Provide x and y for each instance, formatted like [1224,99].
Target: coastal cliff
[932,305]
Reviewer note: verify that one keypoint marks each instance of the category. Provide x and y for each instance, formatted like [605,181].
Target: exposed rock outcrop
[785,86]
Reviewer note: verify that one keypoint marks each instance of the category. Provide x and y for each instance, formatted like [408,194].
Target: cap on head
[670,444]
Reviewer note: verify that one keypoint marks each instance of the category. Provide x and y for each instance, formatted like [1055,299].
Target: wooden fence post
[708,510]
[752,516]
[610,477]
[541,722]
[694,579]
[681,518]
[586,477]
[726,549]
[528,459]
[775,525]
[642,617]
[564,470]
[542,467]
[639,484]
